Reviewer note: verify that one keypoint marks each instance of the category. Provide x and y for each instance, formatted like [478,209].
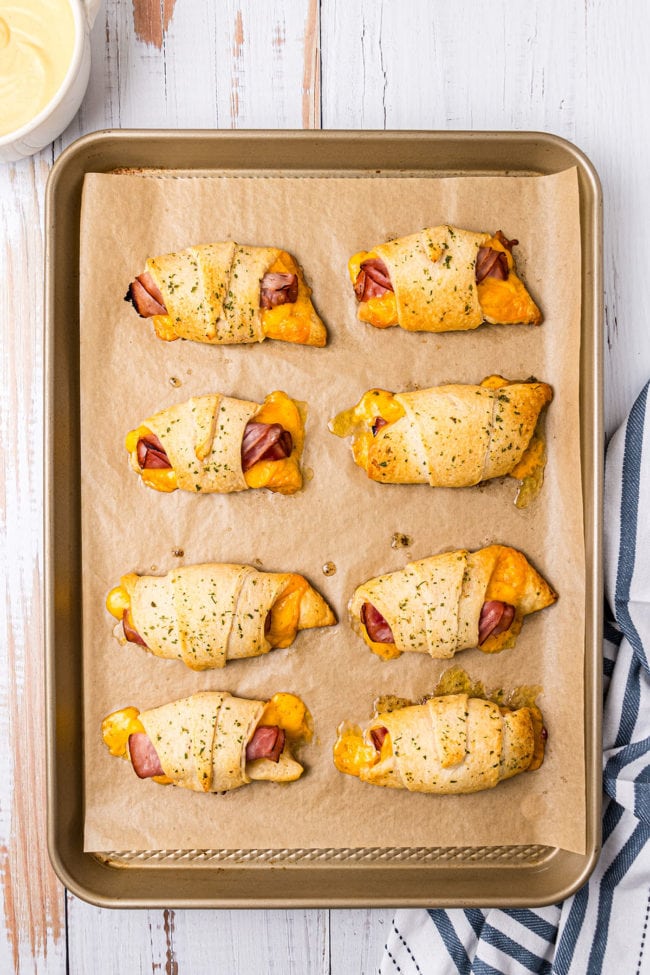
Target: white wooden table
[580,70]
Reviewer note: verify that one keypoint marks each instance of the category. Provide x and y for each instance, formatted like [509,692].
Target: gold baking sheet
[126,374]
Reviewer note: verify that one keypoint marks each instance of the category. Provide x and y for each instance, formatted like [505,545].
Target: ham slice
[496,617]
[267,742]
[145,296]
[508,244]
[376,626]
[378,735]
[151,454]
[378,423]
[264,441]
[144,757]
[373,280]
[278,289]
[130,633]
[491,264]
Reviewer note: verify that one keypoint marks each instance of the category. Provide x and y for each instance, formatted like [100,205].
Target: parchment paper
[341,516]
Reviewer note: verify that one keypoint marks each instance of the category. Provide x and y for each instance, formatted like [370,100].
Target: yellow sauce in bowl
[37,41]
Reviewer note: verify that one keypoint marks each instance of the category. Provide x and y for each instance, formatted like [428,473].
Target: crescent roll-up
[449,744]
[450,602]
[227,293]
[208,614]
[448,436]
[441,279]
[218,444]
[211,741]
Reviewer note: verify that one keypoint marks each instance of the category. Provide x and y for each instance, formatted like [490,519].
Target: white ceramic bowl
[57,114]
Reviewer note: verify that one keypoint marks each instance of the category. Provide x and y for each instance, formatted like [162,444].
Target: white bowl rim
[81,25]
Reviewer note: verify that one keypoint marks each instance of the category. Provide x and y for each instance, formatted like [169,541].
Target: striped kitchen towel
[605,926]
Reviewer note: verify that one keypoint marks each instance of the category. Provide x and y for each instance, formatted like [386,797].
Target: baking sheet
[340,517]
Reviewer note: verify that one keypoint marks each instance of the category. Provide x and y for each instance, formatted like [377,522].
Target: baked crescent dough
[441,279]
[450,602]
[226,293]
[448,436]
[211,741]
[448,745]
[208,614]
[200,445]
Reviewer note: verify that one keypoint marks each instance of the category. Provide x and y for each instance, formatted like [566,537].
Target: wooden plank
[195,942]
[401,66]
[32,933]
[357,940]
[613,127]
[267,64]
[226,65]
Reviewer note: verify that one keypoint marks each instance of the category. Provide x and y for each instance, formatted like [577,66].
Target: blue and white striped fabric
[605,926]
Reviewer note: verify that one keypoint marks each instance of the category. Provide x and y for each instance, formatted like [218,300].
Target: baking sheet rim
[591,278]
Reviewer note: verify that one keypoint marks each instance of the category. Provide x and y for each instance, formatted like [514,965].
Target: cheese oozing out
[354,750]
[358,421]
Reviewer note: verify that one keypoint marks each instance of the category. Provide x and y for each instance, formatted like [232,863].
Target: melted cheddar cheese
[352,753]
[359,420]
[387,651]
[285,613]
[291,322]
[495,382]
[508,581]
[506,302]
[375,403]
[161,479]
[540,737]
[165,327]
[355,262]
[116,729]
[507,584]
[532,459]
[283,476]
[289,713]
[118,601]
[381,311]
